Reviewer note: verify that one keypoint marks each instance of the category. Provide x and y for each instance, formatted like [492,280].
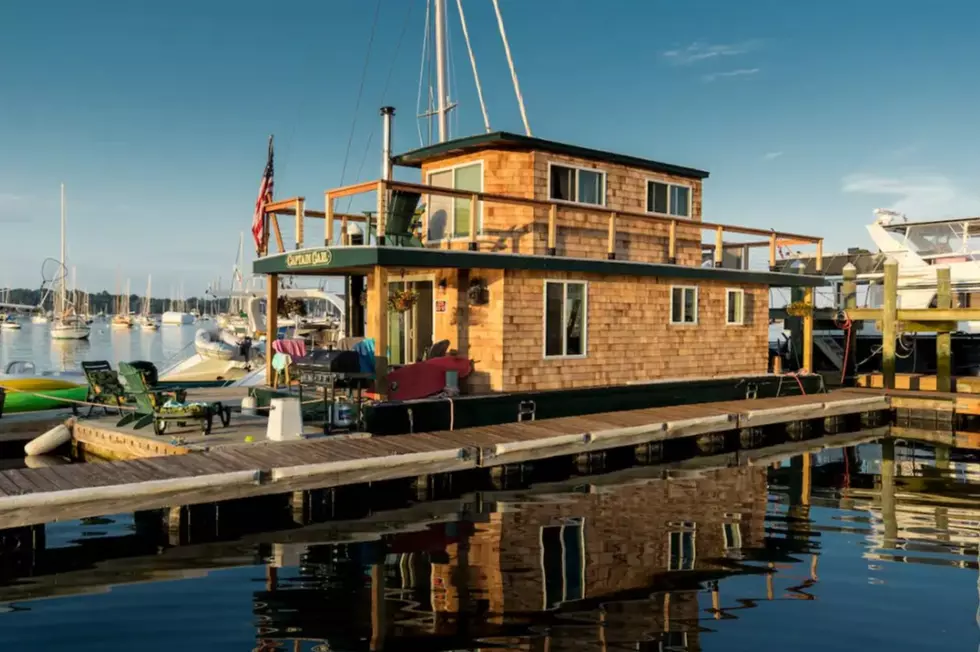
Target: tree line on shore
[105,302]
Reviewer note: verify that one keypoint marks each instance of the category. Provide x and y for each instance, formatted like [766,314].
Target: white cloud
[919,196]
[699,51]
[771,156]
[741,72]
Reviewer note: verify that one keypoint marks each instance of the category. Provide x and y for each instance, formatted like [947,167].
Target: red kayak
[425,378]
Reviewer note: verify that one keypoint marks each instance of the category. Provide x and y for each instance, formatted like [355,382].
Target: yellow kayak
[37,383]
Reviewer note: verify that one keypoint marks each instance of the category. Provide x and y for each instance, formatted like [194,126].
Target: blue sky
[807,114]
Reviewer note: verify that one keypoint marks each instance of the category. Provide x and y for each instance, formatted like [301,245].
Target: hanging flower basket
[402,300]
[799,309]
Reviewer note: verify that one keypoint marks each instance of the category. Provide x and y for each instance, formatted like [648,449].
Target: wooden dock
[29,496]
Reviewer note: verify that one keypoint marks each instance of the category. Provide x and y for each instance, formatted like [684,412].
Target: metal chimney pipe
[387,113]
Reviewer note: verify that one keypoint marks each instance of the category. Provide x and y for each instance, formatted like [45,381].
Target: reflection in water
[861,547]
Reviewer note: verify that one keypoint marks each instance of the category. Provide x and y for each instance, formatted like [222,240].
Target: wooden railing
[296,206]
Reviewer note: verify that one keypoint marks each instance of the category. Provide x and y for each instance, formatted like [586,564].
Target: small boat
[145,321]
[67,324]
[27,390]
[220,345]
[121,322]
[8,323]
[70,328]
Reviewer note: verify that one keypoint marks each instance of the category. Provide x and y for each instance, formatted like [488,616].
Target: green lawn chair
[160,408]
[104,388]
[402,219]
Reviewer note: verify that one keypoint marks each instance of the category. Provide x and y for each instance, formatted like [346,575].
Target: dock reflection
[651,558]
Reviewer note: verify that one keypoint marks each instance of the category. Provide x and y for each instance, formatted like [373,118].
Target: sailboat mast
[442,108]
[61,272]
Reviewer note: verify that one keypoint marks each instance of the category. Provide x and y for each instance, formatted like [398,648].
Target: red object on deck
[425,378]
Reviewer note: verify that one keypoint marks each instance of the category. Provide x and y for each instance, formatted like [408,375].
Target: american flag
[265,197]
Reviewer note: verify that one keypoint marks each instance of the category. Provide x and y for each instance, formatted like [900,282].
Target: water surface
[860,548]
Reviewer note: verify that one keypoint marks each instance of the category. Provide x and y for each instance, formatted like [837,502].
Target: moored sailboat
[67,325]
[146,320]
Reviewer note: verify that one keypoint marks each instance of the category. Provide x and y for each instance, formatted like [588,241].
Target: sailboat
[66,325]
[177,314]
[121,319]
[146,321]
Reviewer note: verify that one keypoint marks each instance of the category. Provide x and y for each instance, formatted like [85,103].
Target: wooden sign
[441,306]
[315,258]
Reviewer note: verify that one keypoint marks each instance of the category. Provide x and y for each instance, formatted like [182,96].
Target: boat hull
[70,332]
[16,402]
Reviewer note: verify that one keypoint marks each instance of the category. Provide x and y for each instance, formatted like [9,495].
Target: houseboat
[574,279]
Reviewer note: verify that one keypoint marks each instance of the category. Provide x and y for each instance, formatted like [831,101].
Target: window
[565,319]
[563,562]
[683,305]
[579,185]
[449,217]
[734,307]
[681,548]
[668,199]
[733,536]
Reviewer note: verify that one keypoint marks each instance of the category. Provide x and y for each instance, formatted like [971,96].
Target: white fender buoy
[42,461]
[248,406]
[52,439]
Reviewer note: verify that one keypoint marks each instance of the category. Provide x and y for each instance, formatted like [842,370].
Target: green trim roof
[328,261]
[506,140]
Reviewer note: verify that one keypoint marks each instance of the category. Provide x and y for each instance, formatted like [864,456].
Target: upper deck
[531,203]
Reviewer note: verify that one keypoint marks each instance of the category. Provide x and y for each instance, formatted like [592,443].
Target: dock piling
[889,324]
[944,301]
[849,291]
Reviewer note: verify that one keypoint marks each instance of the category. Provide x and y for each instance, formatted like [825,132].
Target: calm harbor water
[33,343]
[873,546]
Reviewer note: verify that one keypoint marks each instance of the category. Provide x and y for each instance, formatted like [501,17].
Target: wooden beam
[611,244]
[719,246]
[672,243]
[772,251]
[819,255]
[552,229]
[944,301]
[474,199]
[328,220]
[299,223]
[924,315]
[808,331]
[377,319]
[277,232]
[356,189]
[344,233]
[271,323]
[849,291]
[382,212]
[889,325]
[283,205]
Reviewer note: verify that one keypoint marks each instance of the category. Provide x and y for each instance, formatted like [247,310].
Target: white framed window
[682,547]
[733,535]
[449,217]
[668,198]
[734,307]
[566,306]
[683,304]
[576,185]
[562,550]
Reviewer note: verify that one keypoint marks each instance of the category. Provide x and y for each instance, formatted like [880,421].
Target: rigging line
[384,94]
[476,75]
[418,101]
[360,91]
[510,63]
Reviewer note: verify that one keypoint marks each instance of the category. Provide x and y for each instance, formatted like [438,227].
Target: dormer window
[577,185]
[668,199]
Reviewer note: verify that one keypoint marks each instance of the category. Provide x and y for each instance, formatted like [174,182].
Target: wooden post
[889,323]
[888,511]
[611,245]
[808,330]
[272,325]
[552,229]
[944,361]
[299,223]
[377,607]
[772,252]
[265,234]
[378,327]
[672,243]
[849,290]
[344,235]
[719,246]
[382,216]
[328,220]
[473,203]
[807,482]
[820,255]
[277,232]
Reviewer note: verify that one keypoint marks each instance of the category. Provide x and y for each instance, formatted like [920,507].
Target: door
[410,332]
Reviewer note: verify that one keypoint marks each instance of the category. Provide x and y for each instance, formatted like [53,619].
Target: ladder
[830,348]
